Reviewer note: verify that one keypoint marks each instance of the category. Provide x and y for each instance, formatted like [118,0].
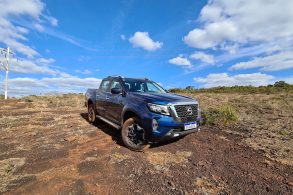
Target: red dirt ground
[48,147]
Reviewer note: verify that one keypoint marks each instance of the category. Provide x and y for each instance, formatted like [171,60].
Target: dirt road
[48,147]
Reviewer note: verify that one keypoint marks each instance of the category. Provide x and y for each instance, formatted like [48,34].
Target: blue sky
[67,46]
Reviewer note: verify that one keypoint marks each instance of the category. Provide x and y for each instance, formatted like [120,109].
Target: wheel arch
[89,102]
[129,114]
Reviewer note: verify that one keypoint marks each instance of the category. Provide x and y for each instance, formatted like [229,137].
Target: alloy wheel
[135,135]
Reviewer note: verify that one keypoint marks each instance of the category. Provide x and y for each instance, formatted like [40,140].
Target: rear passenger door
[102,96]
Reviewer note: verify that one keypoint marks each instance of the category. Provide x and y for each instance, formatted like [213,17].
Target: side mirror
[116,91]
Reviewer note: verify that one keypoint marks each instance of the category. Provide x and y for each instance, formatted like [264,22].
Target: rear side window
[105,86]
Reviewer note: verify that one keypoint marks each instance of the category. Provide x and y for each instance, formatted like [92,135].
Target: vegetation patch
[205,186]
[117,158]
[163,160]
[279,86]
[223,115]
[8,167]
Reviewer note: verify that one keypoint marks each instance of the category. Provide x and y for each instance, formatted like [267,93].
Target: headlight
[160,109]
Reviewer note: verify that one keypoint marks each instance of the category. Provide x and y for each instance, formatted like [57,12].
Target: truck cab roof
[125,78]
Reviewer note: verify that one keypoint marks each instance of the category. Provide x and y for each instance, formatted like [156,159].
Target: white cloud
[39,27]
[29,7]
[212,35]
[26,66]
[29,86]
[242,21]
[83,71]
[35,66]
[143,40]
[246,28]
[53,21]
[181,61]
[279,61]
[45,60]
[206,58]
[223,79]
[72,83]
[123,37]
[29,15]
[14,35]
[287,79]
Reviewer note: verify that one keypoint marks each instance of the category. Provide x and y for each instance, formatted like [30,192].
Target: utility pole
[7,53]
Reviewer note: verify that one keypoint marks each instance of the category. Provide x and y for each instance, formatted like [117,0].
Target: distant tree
[189,88]
[281,84]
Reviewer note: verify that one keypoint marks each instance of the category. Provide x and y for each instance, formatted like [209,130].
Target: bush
[282,84]
[222,115]
[279,86]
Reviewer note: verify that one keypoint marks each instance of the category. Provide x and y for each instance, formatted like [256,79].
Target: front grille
[187,113]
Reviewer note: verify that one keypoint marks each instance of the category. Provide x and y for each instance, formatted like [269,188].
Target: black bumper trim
[174,133]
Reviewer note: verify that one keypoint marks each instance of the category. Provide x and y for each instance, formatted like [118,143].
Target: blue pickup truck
[143,110]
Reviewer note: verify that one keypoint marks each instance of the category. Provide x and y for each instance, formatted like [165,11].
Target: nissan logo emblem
[189,110]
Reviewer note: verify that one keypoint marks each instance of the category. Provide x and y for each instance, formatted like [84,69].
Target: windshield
[143,86]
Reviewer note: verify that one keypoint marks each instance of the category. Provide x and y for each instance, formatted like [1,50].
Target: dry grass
[7,169]
[163,160]
[58,144]
[204,186]
[222,115]
[117,158]
[265,121]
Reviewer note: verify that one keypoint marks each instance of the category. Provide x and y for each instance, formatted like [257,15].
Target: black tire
[133,135]
[91,113]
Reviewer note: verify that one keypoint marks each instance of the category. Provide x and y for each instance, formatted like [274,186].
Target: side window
[127,86]
[138,87]
[105,86]
[115,84]
[151,88]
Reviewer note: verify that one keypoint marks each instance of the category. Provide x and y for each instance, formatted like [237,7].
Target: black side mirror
[116,90]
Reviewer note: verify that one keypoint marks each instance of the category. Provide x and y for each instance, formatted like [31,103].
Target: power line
[7,52]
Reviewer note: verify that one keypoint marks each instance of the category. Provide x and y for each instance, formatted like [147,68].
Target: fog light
[155,124]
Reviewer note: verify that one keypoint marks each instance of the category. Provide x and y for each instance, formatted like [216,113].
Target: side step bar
[108,122]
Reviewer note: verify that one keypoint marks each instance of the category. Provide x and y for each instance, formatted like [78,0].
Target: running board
[108,122]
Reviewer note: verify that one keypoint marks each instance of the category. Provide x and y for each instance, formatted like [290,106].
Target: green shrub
[279,86]
[222,115]
[30,98]
[282,84]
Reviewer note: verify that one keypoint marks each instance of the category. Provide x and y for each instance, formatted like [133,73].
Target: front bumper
[173,133]
[167,128]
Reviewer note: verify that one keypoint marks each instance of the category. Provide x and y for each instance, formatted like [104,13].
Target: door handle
[107,98]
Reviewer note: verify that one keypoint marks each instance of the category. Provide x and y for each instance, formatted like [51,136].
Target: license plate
[191,125]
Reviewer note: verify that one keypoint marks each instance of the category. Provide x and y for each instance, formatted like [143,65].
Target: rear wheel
[91,113]
[133,135]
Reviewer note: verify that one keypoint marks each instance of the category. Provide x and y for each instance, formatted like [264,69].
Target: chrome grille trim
[180,116]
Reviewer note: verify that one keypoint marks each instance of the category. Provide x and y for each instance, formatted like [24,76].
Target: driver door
[115,103]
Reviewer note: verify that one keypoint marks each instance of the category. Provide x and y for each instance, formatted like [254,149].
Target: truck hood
[163,98]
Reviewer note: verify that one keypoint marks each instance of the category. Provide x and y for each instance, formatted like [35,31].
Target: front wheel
[91,113]
[133,135]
